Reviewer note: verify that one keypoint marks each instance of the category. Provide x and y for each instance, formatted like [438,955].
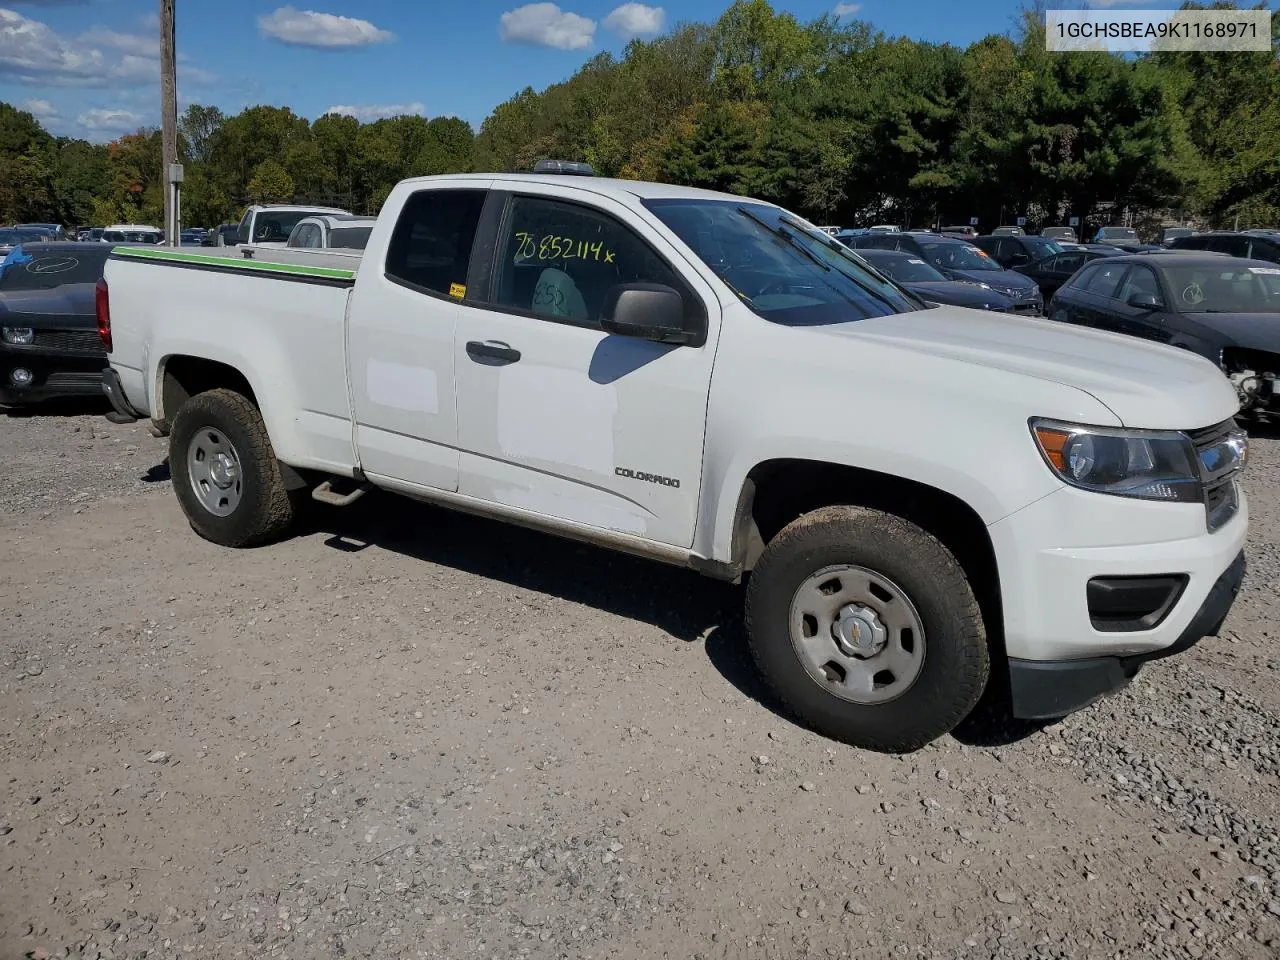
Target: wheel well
[185,376]
[779,491]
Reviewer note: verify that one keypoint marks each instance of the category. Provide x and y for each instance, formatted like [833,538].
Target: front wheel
[225,472]
[867,629]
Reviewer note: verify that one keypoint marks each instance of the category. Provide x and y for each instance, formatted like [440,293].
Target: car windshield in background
[958,256]
[44,271]
[783,269]
[1204,289]
[1118,233]
[905,269]
[9,238]
[350,238]
[1040,247]
[275,226]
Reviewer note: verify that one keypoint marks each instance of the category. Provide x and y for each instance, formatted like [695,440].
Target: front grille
[79,341]
[67,381]
[1219,460]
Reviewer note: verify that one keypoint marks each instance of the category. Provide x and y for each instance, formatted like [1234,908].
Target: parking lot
[408,733]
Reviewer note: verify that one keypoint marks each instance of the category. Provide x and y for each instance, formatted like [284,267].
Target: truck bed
[164,302]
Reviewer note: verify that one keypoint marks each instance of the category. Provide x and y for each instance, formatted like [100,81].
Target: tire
[893,698]
[220,427]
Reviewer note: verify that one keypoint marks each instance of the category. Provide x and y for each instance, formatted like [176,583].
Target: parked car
[1138,247]
[333,230]
[1060,234]
[1008,231]
[707,380]
[49,345]
[221,236]
[1227,309]
[193,236]
[1110,234]
[1110,249]
[884,228]
[913,273]
[272,223]
[960,231]
[1056,269]
[11,237]
[1170,234]
[1015,251]
[961,260]
[1250,246]
[56,231]
[132,233]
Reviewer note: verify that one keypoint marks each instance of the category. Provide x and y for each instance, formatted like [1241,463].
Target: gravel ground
[407,733]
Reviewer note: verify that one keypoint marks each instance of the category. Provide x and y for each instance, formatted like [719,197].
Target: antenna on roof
[566,167]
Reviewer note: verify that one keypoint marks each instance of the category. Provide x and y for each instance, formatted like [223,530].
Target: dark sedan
[1014,252]
[960,260]
[1226,309]
[49,344]
[908,270]
[1053,271]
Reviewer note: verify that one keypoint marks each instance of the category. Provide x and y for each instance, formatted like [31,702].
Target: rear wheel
[867,629]
[225,472]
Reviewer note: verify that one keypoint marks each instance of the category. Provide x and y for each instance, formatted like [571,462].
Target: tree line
[830,118]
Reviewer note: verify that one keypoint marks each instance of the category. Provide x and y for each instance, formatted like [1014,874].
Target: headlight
[1148,465]
[19,335]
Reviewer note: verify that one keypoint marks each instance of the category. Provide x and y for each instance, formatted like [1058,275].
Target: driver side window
[1141,281]
[559,261]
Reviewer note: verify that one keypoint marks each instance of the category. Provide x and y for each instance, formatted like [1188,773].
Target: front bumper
[54,374]
[1045,690]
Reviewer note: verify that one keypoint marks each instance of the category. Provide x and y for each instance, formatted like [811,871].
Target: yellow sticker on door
[458,290]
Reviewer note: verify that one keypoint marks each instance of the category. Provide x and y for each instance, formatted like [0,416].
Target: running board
[326,494]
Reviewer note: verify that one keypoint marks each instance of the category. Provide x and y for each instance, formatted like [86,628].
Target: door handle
[492,353]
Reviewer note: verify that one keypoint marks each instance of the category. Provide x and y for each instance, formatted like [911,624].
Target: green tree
[270,183]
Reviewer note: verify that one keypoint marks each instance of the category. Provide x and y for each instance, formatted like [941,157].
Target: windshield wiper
[788,236]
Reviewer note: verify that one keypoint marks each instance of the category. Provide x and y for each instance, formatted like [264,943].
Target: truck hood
[1145,385]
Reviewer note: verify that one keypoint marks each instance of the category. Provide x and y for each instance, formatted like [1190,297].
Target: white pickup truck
[922,497]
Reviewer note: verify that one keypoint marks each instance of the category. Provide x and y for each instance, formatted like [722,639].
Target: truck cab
[271,224]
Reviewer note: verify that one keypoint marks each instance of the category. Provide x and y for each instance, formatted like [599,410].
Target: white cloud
[636,20]
[370,112]
[41,109]
[32,52]
[846,9]
[109,123]
[138,44]
[546,25]
[326,31]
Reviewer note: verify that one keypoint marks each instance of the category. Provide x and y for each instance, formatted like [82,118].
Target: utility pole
[169,117]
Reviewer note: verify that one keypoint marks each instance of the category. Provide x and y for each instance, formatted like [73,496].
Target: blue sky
[88,67]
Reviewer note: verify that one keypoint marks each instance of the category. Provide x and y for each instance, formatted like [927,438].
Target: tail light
[103,306]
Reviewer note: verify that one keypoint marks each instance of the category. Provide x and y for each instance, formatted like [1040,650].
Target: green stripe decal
[293,269]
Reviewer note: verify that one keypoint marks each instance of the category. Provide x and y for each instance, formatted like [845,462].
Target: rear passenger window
[559,261]
[430,248]
[1102,279]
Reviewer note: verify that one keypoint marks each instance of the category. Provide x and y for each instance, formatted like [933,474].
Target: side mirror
[646,311]
[1145,301]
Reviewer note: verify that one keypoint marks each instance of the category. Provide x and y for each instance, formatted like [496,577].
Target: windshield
[1204,289]
[43,271]
[904,269]
[10,237]
[1039,247]
[350,238]
[1118,233]
[958,256]
[783,269]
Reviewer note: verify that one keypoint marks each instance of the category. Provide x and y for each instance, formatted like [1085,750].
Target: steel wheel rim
[213,469]
[857,634]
